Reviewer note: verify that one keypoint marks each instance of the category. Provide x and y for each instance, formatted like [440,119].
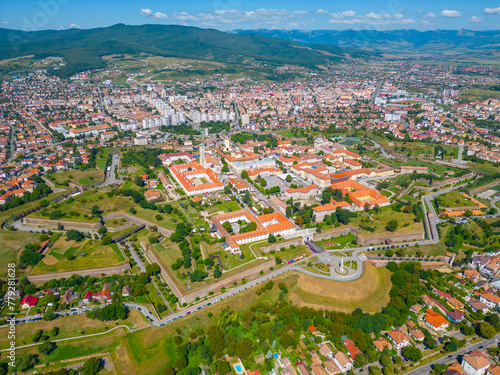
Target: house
[28,301]
[456,316]
[318,370]
[87,297]
[325,350]
[126,291]
[287,367]
[67,296]
[399,339]
[455,303]
[489,299]
[417,334]
[302,368]
[415,308]
[493,370]
[331,367]
[435,321]
[351,348]
[475,363]
[381,344]
[342,361]
[152,196]
[12,295]
[477,305]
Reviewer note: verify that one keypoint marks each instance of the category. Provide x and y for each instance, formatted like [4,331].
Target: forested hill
[82,49]
[390,40]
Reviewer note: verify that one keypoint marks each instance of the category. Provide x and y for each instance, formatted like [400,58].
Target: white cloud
[378,19]
[345,14]
[268,17]
[492,10]
[5,22]
[160,16]
[184,16]
[474,19]
[74,26]
[451,13]
[61,27]
[146,12]
[322,11]
[430,15]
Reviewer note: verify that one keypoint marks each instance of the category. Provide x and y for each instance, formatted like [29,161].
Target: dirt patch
[370,292]
[50,260]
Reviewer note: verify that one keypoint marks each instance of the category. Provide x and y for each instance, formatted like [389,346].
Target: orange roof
[435,319]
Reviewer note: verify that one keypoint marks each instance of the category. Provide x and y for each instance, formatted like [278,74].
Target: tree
[139,181]
[158,217]
[288,178]
[243,348]
[227,226]
[217,272]
[37,336]
[299,220]
[47,347]
[288,211]
[95,210]
[49,315]
[54,331]
[271,238]
[27,362]
[30,289]
[208,262]
[152,269]
[360,360]
[385,360]
[412,353]
[468,213]
[244,175]
[486,330]
[74,235]
[92,366]
[392,225]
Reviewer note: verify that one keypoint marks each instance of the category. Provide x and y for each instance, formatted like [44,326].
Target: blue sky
[251,14]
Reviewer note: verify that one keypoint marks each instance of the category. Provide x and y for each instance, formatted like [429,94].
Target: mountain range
[83,49]
[389,41]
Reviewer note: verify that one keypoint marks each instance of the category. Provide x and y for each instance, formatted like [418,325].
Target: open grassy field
[454,199]
[228,206]
[337,242]
[477,94]
[96,256]
[370,292]
[78,177]
[12,243]
[379,221]
[69,326]
[151,350]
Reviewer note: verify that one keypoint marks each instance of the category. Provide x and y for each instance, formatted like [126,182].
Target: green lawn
[12,243]
[454,199]
[228,206]
[337,242]
[379,221]
[96,256]
[79,177]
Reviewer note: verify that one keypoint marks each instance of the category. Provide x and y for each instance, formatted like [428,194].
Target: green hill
[83,49]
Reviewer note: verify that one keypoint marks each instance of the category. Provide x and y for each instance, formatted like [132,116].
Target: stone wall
[96,272]
[297,242]
[366,240]
[136,220]
[380,238]
[68,224]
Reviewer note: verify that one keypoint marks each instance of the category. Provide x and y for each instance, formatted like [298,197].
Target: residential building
[475,363]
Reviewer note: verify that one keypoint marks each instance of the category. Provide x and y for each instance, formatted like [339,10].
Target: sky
[30,15]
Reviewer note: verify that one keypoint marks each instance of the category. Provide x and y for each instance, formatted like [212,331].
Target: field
[379,221]
[96,256]
[454,199]
[78,177]
[370,292]
[337,242]
[12,243]
[478,94]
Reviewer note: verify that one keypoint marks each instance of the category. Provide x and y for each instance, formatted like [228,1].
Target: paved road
[377,90]
[111,176]
[12,143]
[135,256]
[382,150]
[426,369]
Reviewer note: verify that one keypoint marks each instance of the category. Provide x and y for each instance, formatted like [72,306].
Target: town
[342,223]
